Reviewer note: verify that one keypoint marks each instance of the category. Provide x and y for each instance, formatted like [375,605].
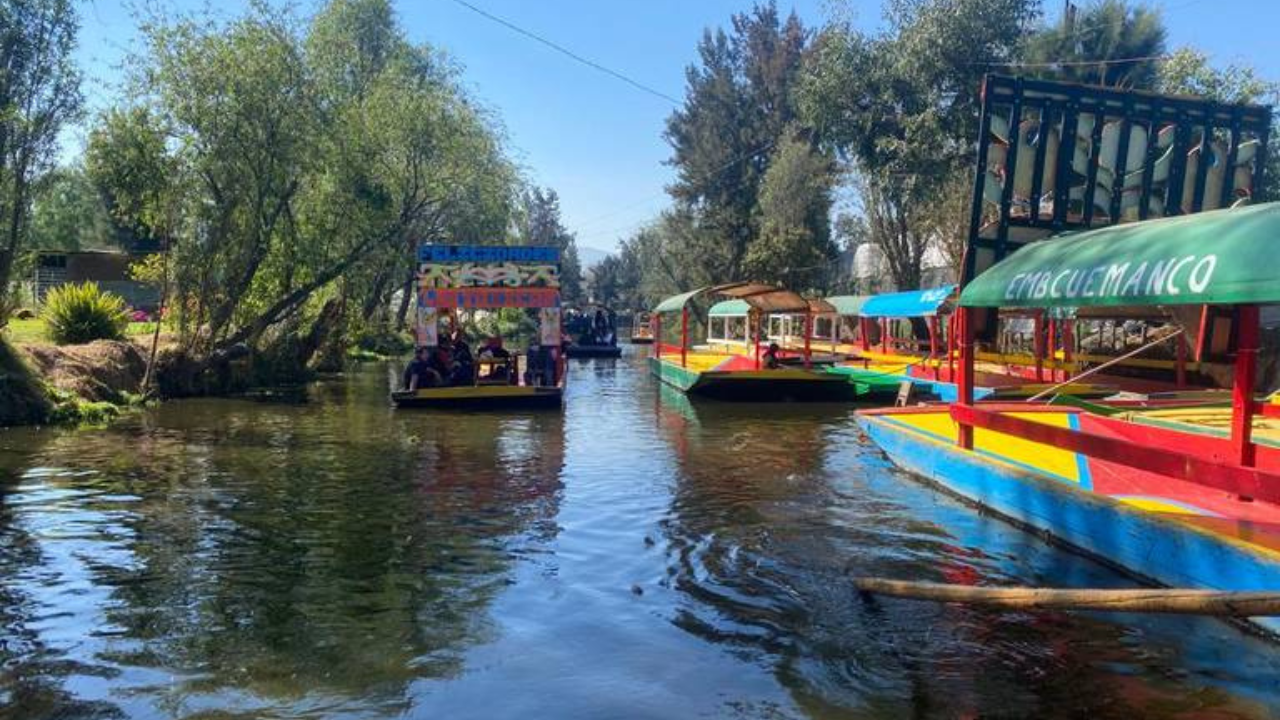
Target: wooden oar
[1157,600]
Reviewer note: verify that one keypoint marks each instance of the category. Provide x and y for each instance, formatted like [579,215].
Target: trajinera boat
[641,329]
[593,333]
[1184,496]
[742,367]
[455,279]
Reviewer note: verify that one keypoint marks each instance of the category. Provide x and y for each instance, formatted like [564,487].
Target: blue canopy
[913,303]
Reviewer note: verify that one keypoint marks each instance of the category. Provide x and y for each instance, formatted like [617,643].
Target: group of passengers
[451,363]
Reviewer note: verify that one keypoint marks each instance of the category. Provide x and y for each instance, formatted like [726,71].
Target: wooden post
[759,318]
[884,335]
[684,336]
[951,347]
[1051,348]
[1068,352]
[808,330]
[657,335]
[1242,390]
[1181,361]
[864,327]
[1037,345]
[933,345]
[964,383]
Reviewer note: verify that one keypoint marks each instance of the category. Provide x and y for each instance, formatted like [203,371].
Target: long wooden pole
[1246,376]
[1159,600]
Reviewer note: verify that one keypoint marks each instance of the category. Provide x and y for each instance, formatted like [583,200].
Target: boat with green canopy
[1188,496]
[738,362]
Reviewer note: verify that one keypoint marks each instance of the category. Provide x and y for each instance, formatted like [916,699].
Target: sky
[592,137]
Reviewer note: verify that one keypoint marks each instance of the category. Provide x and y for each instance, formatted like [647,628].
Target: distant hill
[590,257]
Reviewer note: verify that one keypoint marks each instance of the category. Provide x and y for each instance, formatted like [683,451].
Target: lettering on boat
[1167,276]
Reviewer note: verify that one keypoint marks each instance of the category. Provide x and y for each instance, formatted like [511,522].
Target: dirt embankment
[100,371]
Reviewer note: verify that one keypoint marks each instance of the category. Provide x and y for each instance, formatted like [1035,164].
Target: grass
[33,331]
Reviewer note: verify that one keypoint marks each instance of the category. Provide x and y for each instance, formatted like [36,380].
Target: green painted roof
[729,307]
[1222,257]
[676,302]
[847,304]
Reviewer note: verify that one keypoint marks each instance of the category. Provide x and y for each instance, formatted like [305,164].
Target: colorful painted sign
[488,276]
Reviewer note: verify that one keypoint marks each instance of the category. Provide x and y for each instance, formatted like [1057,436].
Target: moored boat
[641,329]
[592,333]
[1187,497]
[742,371]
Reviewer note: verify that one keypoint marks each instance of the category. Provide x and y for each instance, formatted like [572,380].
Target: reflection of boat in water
[745,372]
[459,278]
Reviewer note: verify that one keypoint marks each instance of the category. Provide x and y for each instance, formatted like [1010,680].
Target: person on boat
[464,365]
[493,350]
[771,359]
[420,372]
[601,328]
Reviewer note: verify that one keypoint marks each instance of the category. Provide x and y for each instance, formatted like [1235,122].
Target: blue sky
[595,139]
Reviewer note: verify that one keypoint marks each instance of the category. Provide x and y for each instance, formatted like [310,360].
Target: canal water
[638,556]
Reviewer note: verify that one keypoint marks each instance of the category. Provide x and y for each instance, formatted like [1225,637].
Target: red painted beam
[964,384]
[1246,376]
[1236,479]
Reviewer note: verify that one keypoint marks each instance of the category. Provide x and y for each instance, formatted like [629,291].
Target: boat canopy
[767,299]
[729,308]
[1222,257]
[913,303]
[847,304]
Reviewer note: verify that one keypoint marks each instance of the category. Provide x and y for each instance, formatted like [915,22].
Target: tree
[1085,46]
[307,161]
[1188,72]
[795,248]
[738,102]
[541,225]
[39,95]
[904,107]
[67,213]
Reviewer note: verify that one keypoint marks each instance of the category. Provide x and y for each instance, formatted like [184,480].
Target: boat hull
[782,385]
[1159,539]
[593,351]
[497,397]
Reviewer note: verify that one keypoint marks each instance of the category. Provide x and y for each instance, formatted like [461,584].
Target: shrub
[83,313]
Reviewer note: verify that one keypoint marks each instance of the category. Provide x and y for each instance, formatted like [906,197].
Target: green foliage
[71,409]
[68,213]
[286,162]
[39,95]
[517,326]
[540,224]
[83,313]
[23,400]
[738,103]
[794,247]
[1105,31]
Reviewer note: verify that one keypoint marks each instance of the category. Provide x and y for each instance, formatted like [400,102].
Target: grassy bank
[21,332]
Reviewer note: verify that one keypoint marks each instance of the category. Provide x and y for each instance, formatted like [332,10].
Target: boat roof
[759,296]
[1220,257]
[847,304]
[729,308]
[912,303]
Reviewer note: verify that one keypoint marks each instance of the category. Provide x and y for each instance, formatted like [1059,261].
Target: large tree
[739,100]
[306,161]
[1115,43]
[903,107]
[39,95]
[541,225]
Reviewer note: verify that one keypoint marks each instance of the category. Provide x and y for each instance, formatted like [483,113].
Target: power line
[567,52]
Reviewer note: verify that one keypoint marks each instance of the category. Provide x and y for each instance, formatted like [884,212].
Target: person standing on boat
[771,359]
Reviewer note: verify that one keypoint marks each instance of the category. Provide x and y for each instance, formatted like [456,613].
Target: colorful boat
[641,329]
[1186,497]
[455,279]
[737,370]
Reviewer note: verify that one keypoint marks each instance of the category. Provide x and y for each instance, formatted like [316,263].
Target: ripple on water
[639,555]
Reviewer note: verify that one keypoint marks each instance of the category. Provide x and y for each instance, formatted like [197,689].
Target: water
[639,556]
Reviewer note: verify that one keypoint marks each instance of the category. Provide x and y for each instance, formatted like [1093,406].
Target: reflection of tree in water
[336,550]
[765,533]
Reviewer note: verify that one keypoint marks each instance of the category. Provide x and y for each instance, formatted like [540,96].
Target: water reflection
[778,507]
[233,555]
[638,555]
